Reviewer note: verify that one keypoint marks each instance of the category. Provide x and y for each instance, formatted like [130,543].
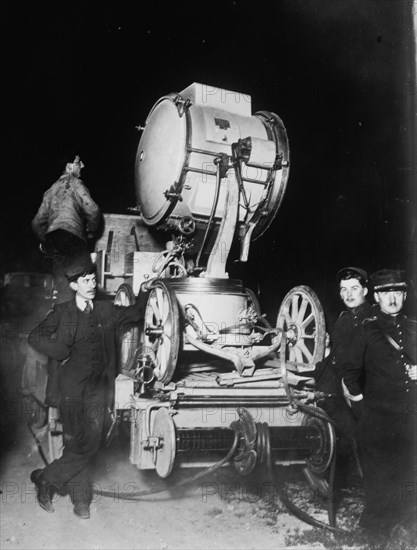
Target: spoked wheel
[301,317]
[162,329]
[128,342]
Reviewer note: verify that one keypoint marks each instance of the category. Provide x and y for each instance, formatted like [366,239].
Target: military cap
[387,279]
[352,272]
[78,267]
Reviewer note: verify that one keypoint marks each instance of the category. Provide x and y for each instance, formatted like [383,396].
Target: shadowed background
[81,75]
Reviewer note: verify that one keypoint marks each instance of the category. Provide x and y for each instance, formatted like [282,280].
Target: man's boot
[82,510]
[43,490]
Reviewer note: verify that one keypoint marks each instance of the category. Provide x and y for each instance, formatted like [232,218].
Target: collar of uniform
[362,308]
[390,319]
[81,303]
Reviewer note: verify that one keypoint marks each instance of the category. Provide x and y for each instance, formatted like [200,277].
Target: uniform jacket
[55,335]
[67,205]
[345,326]
[328,372]
[383,362]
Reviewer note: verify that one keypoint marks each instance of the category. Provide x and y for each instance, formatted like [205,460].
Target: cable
[293,508]
[211,469]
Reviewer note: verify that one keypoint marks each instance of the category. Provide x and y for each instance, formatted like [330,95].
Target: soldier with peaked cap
[384,350]
[353,290]
[82,335]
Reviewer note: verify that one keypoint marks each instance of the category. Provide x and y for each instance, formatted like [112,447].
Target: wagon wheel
[162,329]
[301,317]
[128,341]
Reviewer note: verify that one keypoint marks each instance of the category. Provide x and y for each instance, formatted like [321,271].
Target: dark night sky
[82,75]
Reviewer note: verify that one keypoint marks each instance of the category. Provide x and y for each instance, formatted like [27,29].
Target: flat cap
[79,267]
[351,272]
[387,279]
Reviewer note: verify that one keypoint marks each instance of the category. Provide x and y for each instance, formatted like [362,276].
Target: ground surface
[223,510]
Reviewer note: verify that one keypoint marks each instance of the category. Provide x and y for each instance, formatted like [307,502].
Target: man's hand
[412,372]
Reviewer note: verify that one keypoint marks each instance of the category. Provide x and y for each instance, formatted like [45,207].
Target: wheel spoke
[159,295]
[294,309]
[163,306]
[165,339]
[155,309]
[168,329]
[302,310]
[286,317]
[308,355]
[156,349]
[162,358]
[298,354]
[307,321]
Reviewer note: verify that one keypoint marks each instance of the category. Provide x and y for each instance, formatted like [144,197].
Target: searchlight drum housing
[208,171]
[192,144]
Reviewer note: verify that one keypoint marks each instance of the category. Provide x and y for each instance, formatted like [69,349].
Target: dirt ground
[222,510]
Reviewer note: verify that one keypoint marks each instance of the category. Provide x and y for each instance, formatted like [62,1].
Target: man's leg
[64,248]
[82,427]
[94,401]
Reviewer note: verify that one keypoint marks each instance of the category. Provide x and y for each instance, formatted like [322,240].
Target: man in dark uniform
[82,334]
[353,291]
[385,351]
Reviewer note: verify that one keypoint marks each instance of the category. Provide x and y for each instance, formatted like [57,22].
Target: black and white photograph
[208,269]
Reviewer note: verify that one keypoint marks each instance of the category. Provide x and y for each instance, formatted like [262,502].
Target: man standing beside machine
[353,291]
[82,335]
[384,350]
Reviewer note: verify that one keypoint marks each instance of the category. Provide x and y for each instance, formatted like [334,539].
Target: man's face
[352,292]
[390,301]
[85,287]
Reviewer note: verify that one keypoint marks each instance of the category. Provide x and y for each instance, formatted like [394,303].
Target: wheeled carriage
[205,373]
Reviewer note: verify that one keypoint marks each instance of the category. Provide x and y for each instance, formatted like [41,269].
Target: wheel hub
[292,334]
[156,332]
